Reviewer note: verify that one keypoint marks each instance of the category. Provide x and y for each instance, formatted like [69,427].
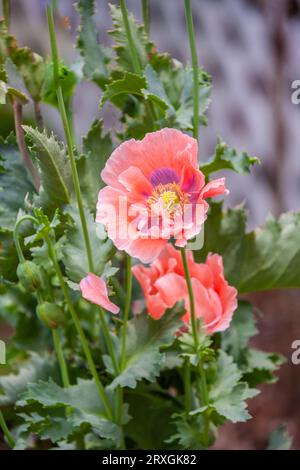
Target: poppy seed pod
[30,276]
[51,314]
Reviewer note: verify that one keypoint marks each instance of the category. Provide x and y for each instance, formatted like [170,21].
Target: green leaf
[33,368]
[149,411]
[145,337]
[74,251]
[266,258]
[14,183]
[280,439]
[97,148]
[189,433]
[56,177]
[130,83]
[184,112]
[228,394]
[242,328]
[142,45]
[32,68]
[67,80]
[260,366]
[95,57]
[84,400]
[230,159]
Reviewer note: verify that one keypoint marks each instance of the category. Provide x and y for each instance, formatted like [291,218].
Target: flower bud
[30,276]
[50,314]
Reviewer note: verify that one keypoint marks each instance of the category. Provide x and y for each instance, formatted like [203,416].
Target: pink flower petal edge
[94,289]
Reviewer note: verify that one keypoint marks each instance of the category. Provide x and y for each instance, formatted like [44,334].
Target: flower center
[167,198]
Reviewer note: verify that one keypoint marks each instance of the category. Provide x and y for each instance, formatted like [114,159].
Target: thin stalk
[126,310]
[124,334]
[68,136]
[58,350]
[79,329]
[6,431]
[132,49]
[187,386]
[202,376]
[146,15]
[6,12]
[75,318]
[38,115]
[109,342]
[190,27]
[17,108]
[61,359]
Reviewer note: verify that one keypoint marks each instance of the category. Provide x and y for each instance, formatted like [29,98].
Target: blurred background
[251,49]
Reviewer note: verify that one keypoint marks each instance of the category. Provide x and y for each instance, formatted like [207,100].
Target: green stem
[146,15]
[132,49]
[191,297]
[68,136]
[61,359]
[190,26]
[75,318]
[124,332]
[6,431]
[201,371]
[6,12]
[187,386]
[79,329]
[17,240]
[59,351]
[126,310]
[109,342]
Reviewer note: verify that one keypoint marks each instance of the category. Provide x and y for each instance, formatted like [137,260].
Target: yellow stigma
[169,197]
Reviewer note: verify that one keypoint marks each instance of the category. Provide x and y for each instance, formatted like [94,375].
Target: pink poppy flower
[155,191]
[163,284]
[94,289]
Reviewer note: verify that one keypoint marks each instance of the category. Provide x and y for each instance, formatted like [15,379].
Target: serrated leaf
[184,112]
[95,57]
[145,337]
[228,394]
[280,439]
[130,83]
[230,159]
[266,258]
[84,400]
[97,148]
[14,384]
[74,249]
[139,37]
[242,328]
[54,165]
[189,433]
[14,183]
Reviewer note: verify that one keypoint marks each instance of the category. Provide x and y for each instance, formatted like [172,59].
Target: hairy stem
[190,27]
[38,115]
[126,310]
[6,431]
[18,112]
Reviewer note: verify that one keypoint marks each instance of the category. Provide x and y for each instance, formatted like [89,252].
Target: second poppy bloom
[155,191]
[164,284]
